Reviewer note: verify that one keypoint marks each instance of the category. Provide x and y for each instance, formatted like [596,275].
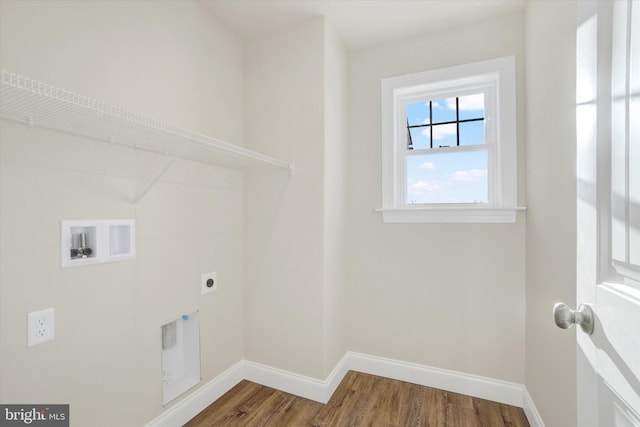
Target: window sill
[450,215]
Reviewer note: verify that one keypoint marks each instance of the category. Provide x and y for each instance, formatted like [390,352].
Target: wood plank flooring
[360,400]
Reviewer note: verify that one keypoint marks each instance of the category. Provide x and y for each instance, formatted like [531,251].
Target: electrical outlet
[209,282]
[40,327]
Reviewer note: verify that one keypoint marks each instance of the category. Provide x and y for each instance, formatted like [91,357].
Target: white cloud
[424,187]
[428,165]
[468,175]
[441,131]
[451,104]
[469,102]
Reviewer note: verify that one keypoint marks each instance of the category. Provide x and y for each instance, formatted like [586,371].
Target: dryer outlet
[209,282]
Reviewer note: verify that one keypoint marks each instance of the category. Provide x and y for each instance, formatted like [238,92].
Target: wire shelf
[39,104]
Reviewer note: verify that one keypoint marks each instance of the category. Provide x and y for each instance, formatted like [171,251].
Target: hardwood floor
[360,400]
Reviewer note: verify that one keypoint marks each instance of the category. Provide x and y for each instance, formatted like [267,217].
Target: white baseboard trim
[530,410]
[289,382]
[322,390]
[194,403]
[336,376]
[300,385]
[457,382]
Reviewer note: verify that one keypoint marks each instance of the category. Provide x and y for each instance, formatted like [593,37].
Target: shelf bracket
[155,180]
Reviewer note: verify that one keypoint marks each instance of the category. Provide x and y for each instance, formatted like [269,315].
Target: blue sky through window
[447,177]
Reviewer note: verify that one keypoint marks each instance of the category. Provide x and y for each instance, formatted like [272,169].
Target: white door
[608,209]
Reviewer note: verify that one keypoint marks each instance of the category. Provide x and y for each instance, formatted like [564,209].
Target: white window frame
[496,79]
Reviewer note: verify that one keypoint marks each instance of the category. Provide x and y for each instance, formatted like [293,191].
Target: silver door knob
[565,317]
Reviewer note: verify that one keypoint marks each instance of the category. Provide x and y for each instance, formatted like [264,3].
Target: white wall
[335,198]
[551,218]
[295,97]
[170,60]
[284,216]
[444,295]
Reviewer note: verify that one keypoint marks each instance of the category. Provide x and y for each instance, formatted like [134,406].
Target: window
[449,144]
[446,155]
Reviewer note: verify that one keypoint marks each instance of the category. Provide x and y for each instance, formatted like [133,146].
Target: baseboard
[322,390]
[336,376]
[187,408]
[300,385]
[457,382]
[289,382]
[530,410]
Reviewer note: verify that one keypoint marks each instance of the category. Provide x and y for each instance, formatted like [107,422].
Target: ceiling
[359,23]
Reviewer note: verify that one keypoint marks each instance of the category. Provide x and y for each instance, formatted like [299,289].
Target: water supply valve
[82,251]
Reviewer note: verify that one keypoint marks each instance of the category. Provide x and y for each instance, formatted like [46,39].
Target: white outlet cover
[40,327]
[203,282]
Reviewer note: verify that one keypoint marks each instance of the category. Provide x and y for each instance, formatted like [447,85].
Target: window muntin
[446,122]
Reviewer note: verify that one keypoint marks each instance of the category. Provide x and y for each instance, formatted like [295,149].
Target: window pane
[472,133]
[448,178]
[471,106]
[418,113]
[443,110]
[445,135]
[420,138]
